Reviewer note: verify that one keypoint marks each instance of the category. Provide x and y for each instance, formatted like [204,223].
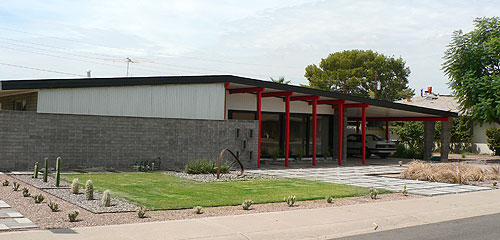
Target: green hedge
[493,135]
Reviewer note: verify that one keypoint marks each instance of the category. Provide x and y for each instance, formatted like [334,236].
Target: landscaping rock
[231,176]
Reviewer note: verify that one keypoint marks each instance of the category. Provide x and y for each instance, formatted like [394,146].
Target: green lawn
[160,191]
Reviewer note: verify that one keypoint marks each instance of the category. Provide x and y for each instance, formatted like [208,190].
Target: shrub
[106,199]
[329,199]
[373,193]
[38,198]
[141,212]
[46,170]
[198,210]
[290,200]
[58,171]
[493,135]
[75,186]
[5,183]
[89,190]
[15,186]
[53,206]
[246,204]
[205,166]
[404,192]
[35,171]
[26,192]
[72,215]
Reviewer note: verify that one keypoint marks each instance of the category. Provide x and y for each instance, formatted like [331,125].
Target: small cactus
[373,193]
[58,171]
[75,186]
[72,215]
[290,200]
[89,190]
[35,171]
[46,170]
[38,198]
[5,183]
[329,199]
[15,186]
[247,204]
[53,206]
[106,199]
[198,210]
[404,192]
[26,192]
[141,212]
[400,163]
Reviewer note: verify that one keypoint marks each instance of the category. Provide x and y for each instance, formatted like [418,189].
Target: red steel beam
[246,90]
[287,129]
[314,128]
[278,94]
[341,128]
[363,136]
[391,119]
[331,101]
[226,86]
[304,98]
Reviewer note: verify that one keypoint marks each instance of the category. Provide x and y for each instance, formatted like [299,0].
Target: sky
[257,39]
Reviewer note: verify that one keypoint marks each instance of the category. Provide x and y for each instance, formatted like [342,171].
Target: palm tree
[280,80]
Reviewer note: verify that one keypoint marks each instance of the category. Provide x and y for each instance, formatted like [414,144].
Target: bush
[493,135]
[290,200]
[373,193]
[38,198]
[15,186]
[141,212]
[26,192]
[205,166]
[53,206]
[5,183]
[75,186]
[329,199]
[410,153]
[246,204]
[72,215]
[198,210]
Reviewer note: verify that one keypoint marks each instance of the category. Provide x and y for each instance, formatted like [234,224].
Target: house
[115,122]
[449,103]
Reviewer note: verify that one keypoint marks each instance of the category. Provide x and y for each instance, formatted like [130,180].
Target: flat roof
[386,108]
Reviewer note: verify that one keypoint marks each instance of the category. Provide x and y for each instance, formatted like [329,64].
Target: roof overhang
[377,108]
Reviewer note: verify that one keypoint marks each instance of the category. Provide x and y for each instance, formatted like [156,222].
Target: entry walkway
[366,176]
[320,223]
[12,219]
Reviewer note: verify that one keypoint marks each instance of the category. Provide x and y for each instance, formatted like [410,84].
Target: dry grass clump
[449,172]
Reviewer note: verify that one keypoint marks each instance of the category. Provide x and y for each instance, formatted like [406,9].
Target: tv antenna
[128,61]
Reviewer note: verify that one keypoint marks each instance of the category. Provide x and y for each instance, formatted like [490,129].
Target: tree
[472,63]
[280,80]
[359,72]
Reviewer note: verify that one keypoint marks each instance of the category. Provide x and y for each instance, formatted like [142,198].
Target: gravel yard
[231,176]
[42,215]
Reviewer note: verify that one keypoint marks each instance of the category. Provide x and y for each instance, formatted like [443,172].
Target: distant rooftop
[435,101]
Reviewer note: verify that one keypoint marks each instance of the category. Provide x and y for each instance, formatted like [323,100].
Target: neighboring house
[428,99]
[115,122]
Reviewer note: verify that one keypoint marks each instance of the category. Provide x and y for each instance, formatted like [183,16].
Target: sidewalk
[299,224]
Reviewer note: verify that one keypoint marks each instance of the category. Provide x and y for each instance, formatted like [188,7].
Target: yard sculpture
[221,155]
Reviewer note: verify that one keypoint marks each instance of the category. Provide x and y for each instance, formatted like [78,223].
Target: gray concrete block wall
[116,142]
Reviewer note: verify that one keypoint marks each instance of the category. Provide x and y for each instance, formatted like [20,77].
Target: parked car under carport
[374,145]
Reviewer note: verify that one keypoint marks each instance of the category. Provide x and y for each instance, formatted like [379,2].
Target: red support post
[340,109]
[259,118]
[386,130]
[363,136]
[287,129]
[314,129]
[226,86]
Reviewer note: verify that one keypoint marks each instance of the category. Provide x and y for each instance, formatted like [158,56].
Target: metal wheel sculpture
[220,161]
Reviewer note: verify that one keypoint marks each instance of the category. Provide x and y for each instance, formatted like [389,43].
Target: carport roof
[379,109]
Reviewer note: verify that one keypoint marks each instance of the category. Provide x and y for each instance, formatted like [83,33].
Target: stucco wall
[116,142]
[191,101]
[479,137]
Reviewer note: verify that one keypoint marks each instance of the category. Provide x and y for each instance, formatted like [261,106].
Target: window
[20,105]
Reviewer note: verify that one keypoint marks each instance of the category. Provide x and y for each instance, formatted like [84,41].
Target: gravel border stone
[39,183]
[231,176]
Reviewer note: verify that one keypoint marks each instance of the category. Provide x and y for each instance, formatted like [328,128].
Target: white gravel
[231,176]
